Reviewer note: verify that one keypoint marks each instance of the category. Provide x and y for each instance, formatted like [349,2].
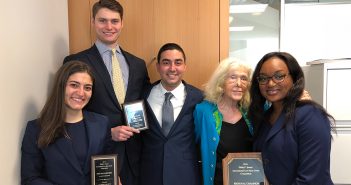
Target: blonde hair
[214,88]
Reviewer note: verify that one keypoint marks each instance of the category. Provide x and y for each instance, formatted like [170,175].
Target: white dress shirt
[157,97]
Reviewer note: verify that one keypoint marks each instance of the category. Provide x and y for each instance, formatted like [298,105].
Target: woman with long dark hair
[57,147]
[293,135]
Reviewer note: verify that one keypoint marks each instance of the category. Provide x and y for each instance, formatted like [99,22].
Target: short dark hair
[109,4]
[170,46]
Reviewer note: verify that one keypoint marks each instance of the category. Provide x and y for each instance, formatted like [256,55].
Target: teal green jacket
[208,123]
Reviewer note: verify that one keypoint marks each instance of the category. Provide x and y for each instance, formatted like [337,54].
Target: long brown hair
[52,117]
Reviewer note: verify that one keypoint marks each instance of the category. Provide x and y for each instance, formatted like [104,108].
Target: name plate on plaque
[243,169]
[104,170]
[135,115]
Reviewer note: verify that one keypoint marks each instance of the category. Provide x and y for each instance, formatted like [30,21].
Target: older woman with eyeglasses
[293,135]
[221,125]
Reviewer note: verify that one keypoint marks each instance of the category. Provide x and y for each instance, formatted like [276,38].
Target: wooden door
[194,24]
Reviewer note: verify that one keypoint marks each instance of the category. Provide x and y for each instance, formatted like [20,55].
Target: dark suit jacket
[298,153]
[171,160]
[57,163]
[104,100]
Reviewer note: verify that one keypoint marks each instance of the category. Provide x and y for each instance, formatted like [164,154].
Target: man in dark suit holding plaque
[120,77]
[169,155]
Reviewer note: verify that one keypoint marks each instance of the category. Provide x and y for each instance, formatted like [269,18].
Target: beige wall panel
[79,25]
[92,31]
[194,24]
[208,44]
[138,35]
[224,29]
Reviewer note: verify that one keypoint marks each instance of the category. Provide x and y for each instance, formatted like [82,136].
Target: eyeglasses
[235,78]
[277,78]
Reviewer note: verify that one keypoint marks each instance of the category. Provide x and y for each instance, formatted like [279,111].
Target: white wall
[322,31]
[316,31]
[33,42]
[324,85]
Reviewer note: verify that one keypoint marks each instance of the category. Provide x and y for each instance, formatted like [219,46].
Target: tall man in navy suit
[107,21]
[170,158]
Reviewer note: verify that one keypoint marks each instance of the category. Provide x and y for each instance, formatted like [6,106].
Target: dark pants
[127,176]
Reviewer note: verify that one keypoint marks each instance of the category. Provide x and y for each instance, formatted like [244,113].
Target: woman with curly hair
[221,124]
[293,135]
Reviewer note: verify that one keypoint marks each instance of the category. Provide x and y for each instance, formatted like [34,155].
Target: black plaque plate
[104,170]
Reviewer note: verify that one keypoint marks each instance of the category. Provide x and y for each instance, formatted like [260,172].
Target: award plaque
[135,115]
[243,169]
[104,170]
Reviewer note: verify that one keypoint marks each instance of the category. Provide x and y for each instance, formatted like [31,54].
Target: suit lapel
[65,146]
[278,125]
[154,125]
[187,105]
[101,70]
[93,133]
[132,72]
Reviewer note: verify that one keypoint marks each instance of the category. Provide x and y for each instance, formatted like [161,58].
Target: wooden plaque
[243,169]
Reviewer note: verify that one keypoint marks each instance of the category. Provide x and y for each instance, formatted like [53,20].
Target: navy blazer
[57,163]
[171,160]
[298,153]
[104,100]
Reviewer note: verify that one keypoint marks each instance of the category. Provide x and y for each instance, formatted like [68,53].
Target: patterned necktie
[167,114]
[118,84]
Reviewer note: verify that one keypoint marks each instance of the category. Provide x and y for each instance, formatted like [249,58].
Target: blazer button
[211,165]
[214,139]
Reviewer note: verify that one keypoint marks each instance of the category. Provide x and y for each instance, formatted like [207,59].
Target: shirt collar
[177,92]
[104,48]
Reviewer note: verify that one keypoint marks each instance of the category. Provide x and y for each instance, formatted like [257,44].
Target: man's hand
[123,133]
[119,181]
